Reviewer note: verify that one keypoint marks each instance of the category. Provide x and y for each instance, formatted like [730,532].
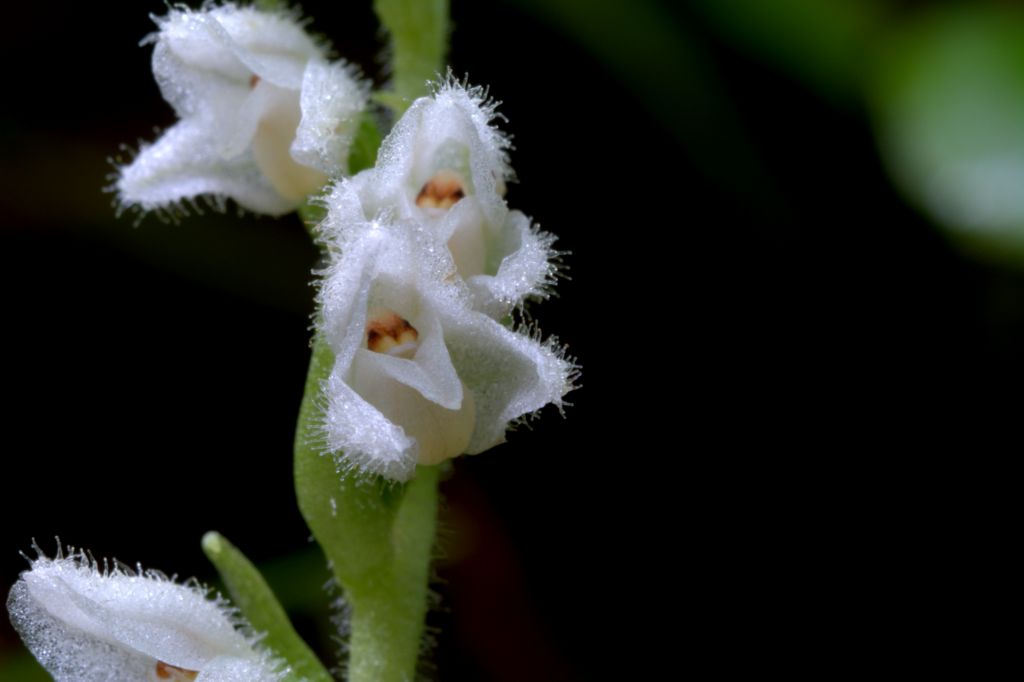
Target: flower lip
[388,332]
[443,190]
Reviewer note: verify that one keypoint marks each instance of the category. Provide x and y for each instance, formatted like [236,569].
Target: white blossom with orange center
[264,118]
[445,165]
[420,376]
[85,624]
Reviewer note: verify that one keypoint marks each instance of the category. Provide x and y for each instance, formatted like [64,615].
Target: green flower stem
[363,153]
[419,40]
[377,535]
[251,594]
[378,538]
[387,617]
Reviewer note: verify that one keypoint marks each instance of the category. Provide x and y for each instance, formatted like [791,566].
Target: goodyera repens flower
[85,624]
[445,166]
[426,257]
[265,119]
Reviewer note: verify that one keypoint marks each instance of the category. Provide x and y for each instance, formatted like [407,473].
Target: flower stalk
[419,41]
[378,536]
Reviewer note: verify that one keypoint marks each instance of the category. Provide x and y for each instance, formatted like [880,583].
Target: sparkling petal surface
[86,625]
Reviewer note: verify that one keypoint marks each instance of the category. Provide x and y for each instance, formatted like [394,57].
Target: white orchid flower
[419,375]
[84,624]
[265,119]
[446,164]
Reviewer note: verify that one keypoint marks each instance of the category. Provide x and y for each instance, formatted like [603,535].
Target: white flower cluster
[427,266]
[427,262]
[85,624]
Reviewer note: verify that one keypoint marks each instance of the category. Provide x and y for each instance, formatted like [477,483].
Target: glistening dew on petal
[87,624]
[265,119]
[420,376]
[445,165]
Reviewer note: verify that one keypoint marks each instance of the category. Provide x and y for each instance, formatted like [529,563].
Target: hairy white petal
[209,95]
[520,258]
[362,435]
[67,653]
[184,163]
[236,42]
[439,432]
[332,100]
[510,374]
[85,625]
[450,130]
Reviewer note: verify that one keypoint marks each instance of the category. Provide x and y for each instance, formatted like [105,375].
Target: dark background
[762,322]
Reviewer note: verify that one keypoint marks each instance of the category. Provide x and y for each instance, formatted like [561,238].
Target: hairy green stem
[377,535]
[387,617]
[378,538]
[419,41]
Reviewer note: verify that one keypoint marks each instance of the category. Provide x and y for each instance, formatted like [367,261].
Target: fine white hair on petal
[524,264]
[237,78]
[333,97]
[510,374]
[85,624]
[454,127]
[205,60]
[470,377]
[236,42]
[362,436]
[183,163]
[450,138]
[423,247]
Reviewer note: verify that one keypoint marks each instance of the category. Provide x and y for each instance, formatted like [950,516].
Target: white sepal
[332,101]
[85,624]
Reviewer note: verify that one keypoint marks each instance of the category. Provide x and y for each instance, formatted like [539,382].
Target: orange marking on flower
[254,81]
[443,190]
[166,671]
[388,332]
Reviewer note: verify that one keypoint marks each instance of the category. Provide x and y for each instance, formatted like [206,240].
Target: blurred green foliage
[823,42]
[22,667]
[947,97]
[664,66]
